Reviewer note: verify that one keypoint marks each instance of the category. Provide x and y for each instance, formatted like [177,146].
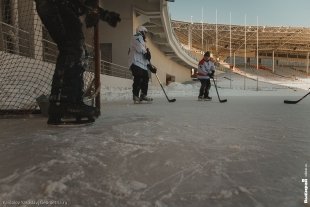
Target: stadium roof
[284,41]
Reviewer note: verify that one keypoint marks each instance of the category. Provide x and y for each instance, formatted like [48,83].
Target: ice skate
[136,99]
[199,98]
[207,98]
[71,114]
[145,98]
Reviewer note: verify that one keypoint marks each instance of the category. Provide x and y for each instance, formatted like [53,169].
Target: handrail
[177,39]
[112,69]
[173,42]
[172,39]
[16,40]
[13,27]
[50,51]
[147,13]
[114,64]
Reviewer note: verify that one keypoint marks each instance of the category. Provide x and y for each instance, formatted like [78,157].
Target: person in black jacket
[61,19]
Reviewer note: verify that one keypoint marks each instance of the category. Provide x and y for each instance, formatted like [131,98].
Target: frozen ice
[250,151]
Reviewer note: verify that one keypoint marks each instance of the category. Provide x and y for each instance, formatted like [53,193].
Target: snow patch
[54,187]
[127,187]
[60,186]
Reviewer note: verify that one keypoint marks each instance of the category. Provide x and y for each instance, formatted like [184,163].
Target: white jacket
[205,68]
[136,52]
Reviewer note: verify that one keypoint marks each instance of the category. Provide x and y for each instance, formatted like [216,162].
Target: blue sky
[269,12]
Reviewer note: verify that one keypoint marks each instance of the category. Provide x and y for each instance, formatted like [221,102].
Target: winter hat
[207,54]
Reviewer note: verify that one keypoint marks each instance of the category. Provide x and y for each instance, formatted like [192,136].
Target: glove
[92,18]
[147,55]
[112,18]
[211,75]
[152,68]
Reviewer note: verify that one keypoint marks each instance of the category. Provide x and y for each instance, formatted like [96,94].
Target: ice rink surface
[249,152]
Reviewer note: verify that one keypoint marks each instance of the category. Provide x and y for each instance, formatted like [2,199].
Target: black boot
[55,113]
[136,99]
[81,110]
[145,98]
[207,98]
[69,113]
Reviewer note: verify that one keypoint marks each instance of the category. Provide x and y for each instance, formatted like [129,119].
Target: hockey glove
[152,68]
[92,18]
[147,55]
[211,75]
[112,18]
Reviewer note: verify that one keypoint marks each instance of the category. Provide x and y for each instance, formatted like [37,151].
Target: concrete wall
[120,38]
[166,66]
[110,81]
[121,35]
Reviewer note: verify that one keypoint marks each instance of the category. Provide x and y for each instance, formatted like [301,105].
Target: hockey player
[205,71]
[139,63]
[61,19]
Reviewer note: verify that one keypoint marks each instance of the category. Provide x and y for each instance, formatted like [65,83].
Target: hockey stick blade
[172,100]
[290,102]
[220,100]
[169,100]
[295,102]
[223,101]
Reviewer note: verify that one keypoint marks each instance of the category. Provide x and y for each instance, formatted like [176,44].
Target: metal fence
[112,69]
[15,40]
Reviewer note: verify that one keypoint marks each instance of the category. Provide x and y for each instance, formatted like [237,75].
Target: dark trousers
[140,80]
[205,87]
[65,28]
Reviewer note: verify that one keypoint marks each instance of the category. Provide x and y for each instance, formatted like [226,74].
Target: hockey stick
[170,100]
[295,102]
[221,101]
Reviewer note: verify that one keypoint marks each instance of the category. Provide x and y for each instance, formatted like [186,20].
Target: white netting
[27,57]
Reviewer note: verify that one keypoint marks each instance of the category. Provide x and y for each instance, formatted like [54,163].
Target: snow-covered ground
[248,152]
[284,76]
[235,83]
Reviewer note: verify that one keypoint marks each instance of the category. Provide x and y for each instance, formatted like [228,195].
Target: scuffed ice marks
[60,186]
[139,131]
[91,161]
[155,155]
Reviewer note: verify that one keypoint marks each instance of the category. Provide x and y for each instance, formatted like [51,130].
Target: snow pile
[174,89]
[183,90]
[283,76]
[237,83]
[115,93]
[182,87]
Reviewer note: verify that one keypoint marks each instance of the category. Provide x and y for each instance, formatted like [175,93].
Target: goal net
[27,57]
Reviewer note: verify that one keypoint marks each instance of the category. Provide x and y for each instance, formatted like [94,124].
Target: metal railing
[112,69]
[50,51]
[188,52]
[15,40]
[174,42]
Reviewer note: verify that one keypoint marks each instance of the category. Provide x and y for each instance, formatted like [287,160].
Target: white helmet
[141,29]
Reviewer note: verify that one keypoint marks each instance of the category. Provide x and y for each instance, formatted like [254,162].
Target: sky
[269,12]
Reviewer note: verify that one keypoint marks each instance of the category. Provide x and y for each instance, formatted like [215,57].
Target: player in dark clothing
[61,19]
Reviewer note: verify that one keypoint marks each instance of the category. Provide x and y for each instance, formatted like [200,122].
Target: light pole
[244,51]
[202,29]
[257,54]
[230,58]
[216,38]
